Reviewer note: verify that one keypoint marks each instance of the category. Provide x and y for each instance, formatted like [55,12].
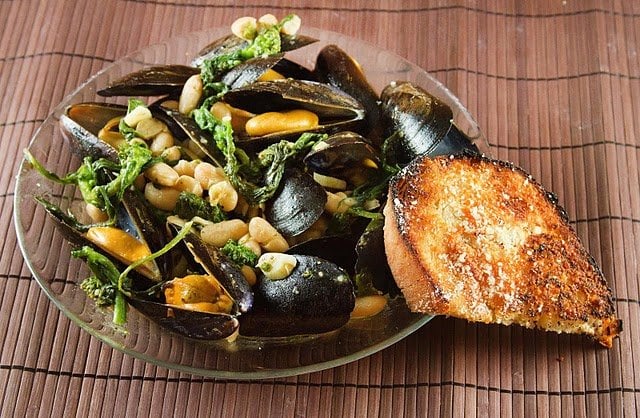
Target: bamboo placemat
[555,87]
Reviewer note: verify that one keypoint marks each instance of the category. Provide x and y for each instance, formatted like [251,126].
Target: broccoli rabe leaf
[239,254]
[190,205]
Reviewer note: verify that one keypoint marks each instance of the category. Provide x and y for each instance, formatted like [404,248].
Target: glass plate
[48,254]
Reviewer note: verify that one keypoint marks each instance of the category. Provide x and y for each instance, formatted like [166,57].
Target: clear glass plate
[48,254]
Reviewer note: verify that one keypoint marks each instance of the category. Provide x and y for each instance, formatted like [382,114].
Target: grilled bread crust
[479,239]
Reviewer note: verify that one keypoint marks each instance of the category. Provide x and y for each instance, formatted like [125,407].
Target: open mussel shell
[341,152]
[151,81]
[226,273]
[335,109]
[191,324]
[251,70]
[316,297]
[336,67]
[297,204]
[232,43]
[81,123]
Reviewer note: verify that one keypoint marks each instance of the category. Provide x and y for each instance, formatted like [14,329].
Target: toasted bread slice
[479,239]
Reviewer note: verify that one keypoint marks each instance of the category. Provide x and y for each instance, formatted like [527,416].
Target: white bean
[136,115]
[191,93]
[164,198]
[208,174]
[161,142]
[223,194]
[162,174]
[276,266]
[186,168]
[217,234]
[188,184]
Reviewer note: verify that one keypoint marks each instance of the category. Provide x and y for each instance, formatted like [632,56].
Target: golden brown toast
[479,239]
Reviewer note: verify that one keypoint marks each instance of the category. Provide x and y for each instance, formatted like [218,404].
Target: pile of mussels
[287,162]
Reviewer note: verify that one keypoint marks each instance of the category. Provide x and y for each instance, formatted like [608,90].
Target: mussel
[151,81]
[316,297]
[422,122]
[339,69]
[334,109]
[232,43]
[297,205]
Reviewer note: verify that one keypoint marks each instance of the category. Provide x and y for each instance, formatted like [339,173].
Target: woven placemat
[555,87]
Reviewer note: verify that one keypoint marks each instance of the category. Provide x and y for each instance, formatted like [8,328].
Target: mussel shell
[151,81]
[420,119]
[297,204]
[185,128]
[335,109]
[338,249]
[227,273]
[341,151]
[371,264]
[232,43]
[336,67]
[251,70]
[454,142]
[81,123]
[192,324]
[316,297]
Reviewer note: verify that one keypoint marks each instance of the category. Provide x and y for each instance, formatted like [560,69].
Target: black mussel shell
[249,71]
[291,69]
[185,128]
[232,43]
[371,265]
[81,123]
[297,204]
[335,109]
[341,151]
[191,324]
[227,273]
[420,120]
[336,67]
[316,297]
[151,81]
[454,142]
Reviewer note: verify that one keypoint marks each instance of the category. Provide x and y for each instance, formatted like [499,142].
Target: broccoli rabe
[239,254]
[102,287]
[190,205]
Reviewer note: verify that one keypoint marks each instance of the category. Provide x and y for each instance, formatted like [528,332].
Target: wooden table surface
[554,86]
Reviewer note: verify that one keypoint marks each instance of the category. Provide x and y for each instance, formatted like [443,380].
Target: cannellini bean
[330,182]
[208,174]
[170,104]
[276,266]
[186,168]
[221,111]
[163,198]
[338,202]
[136,115]
[217,234]
[191,94]
[148,128]
[189,184]
[238,117]
[271,122]
[251,244]
[367,306]
[266,235]
[291,26]
[162,174]
[250,274]
[171,154]
[223,194]
[161,142]
[268,20]
[96,214]
[244,27]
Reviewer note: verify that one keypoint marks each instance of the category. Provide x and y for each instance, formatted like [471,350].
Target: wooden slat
[555,87]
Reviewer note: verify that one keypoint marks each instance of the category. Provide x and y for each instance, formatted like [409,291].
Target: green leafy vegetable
[257,180]
[190,205]
[266,42]
[102,287]
[239,254]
